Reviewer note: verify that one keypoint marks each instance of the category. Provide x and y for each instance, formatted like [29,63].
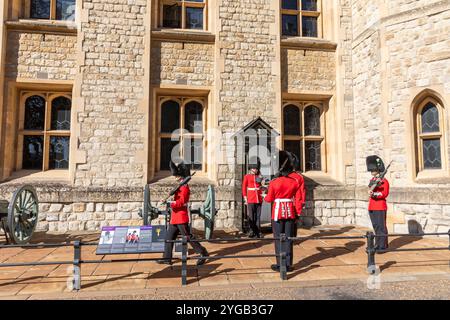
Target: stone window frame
[182,101]
[47,133]
[27,10]
[420,137]
[300,13]
[302,105]
[184,4]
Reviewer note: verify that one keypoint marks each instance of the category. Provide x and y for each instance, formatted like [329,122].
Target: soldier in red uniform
[179,219]
[281,194]
[377,201]
[300,196]
[252,194]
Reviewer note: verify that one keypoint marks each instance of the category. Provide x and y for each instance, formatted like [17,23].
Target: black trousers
[287,227]
[254,217]
[378,219]
[172,232]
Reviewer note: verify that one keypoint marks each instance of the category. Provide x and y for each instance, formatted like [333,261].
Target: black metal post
[184,253]
[76,266]
[283,271]
[371,266]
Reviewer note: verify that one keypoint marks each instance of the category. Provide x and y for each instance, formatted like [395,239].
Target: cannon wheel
[23,213]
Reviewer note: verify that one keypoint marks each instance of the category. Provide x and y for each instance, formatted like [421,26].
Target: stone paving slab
[314,260]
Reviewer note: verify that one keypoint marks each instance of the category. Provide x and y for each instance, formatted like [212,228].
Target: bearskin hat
[284,161]
[375,163]
[181,170]
[254,163]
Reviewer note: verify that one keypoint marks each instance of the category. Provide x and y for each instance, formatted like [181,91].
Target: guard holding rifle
[252,194]
[378,192]
[179,219]
[282,194]
[301,192]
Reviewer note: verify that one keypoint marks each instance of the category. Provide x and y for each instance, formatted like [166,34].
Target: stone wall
[307,70]
[40,56]
[182,63]
[395,58]
[111,122]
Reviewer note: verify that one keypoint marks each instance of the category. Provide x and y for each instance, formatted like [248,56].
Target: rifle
[376,182]
[174,190]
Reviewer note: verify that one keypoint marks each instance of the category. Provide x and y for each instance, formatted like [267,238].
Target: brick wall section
[189,63]
[112,88]
[307,70]
[40,56]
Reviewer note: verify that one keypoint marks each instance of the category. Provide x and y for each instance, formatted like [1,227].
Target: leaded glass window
[59,152]
[185,133]
[303,134]
[34,113]
[430,118]
[45,131]
[432,154]
[292,120]
[61,108]
[33,152]
[430,136]
[40,9]
[170,116]
[183,14]
[300,18]
[53,9]
[312,121]
[193,117]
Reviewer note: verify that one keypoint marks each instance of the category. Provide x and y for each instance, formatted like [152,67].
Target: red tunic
[180,214]
[282,193]
[300,196]
[377,201]
[251,189]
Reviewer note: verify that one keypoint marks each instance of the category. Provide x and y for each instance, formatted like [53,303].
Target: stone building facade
[362,77]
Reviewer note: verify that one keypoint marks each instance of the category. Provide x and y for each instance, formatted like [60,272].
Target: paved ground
[318,265]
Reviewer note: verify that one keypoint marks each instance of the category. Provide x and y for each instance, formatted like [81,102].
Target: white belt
[277,206]
[253,189]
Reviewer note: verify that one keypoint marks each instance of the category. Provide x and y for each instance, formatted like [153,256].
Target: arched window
[302,134]
[44,135]
[430,133]
[182,127]
[34,113]
[61,113]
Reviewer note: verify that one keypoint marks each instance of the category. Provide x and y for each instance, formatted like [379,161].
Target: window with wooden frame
[430,135]
[301,18]
[183,14]
[181,132]
[51,9]
[303,133]
[44,131]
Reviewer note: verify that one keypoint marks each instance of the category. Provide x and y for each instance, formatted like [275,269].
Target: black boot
[275,267]
[164,261]
[203,255]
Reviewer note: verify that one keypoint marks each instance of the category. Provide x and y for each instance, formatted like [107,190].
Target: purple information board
[141,239]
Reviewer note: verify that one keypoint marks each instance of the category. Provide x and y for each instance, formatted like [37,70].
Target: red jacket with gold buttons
[377,201]
[251,189]
[180,213]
